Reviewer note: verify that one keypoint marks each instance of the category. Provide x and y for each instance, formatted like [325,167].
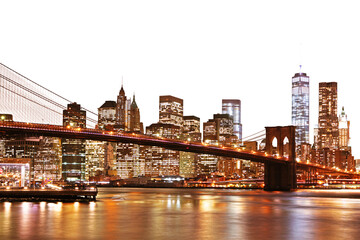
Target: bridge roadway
[9,127]
[141,139]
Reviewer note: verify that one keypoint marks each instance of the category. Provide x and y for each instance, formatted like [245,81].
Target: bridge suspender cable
[254,134]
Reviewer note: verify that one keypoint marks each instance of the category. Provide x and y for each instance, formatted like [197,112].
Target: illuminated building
[106,115]
[344,131]
[191,133]
[2,147]
[135,124]
[324,157]
[191,128]
[344,160]
[73,150]
[122,107]
[18,146]
[94,158]
[233,108]
[326,135]
[171,110]
[107,121]
[216,131]
[249,169]
[300,108]
[47,163]
[328,129]
[130,160]
[6,117]
[160,161]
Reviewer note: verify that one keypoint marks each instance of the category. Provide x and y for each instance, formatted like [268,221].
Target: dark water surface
[135,213]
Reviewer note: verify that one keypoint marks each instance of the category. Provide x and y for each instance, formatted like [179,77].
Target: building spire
[122,92]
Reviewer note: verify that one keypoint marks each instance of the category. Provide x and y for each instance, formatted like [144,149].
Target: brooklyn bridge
[38,111]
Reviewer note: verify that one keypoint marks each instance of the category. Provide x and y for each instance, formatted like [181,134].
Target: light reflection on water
[125,213]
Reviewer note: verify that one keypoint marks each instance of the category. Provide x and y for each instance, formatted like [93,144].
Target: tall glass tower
[233,108]
[300,107]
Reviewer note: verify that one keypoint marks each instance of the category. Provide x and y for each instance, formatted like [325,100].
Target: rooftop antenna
[122,81]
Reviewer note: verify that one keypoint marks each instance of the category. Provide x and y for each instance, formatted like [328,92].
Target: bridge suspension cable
[28,101]
[254,135]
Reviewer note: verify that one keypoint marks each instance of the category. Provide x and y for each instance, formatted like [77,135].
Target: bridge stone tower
[281,176]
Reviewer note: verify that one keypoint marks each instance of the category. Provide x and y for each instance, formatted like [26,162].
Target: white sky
[200,51]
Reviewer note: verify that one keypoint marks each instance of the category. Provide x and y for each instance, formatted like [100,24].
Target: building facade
[191,133]
[344,131]
[107,115]
[107,121]
[73,150]
[171,110]
[300,108]
[328,125]
[233,108]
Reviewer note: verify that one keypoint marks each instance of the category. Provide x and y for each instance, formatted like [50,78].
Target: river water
[136,213]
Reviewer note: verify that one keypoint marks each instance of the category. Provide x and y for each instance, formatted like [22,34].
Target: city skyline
[202,58]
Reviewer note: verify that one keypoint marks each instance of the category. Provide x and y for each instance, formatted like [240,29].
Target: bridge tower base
[281,176]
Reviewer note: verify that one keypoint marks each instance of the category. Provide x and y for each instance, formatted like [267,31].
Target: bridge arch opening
[286,147]
[274,146]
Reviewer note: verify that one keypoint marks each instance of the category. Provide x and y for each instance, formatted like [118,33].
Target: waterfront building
[94,158]
[171,110]
[233,108]
[344,160]
[324,157]
[47,163]
[107,121]
[44,154]
[160,161]
[191,133]
[20,147]
[73,150]
[249,169]
[216,131]
[130,160]
[300,108]
[4,117]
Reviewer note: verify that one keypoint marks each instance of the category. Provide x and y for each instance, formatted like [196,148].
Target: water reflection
[186,214]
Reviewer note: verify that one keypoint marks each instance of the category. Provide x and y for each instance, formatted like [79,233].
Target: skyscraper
[107,120]
[171,110]
[328,131]
[135,125]
[191,132]
[344,131]
[233,108]
[107,115]
[73,150]
[129,156]
[300,108]
[122,107]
